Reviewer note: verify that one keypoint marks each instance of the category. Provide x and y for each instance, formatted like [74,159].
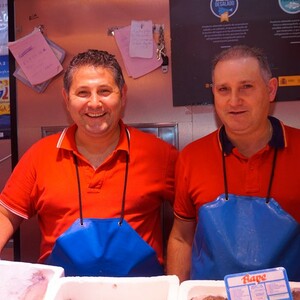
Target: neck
[248,145]
[97,150]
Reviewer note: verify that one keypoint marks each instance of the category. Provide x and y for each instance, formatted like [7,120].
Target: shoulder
[203,145]
[292,130]
[38,157]
[47,141]
[291,136]
[283,135]
[43,147]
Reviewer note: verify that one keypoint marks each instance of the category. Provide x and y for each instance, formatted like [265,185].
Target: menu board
[201,29]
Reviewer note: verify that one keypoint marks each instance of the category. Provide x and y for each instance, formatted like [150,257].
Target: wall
[82,24]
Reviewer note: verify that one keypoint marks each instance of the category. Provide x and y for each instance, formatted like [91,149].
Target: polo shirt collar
[277,141]
[67,139]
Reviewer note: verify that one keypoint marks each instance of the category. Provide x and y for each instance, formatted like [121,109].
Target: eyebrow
[240,82]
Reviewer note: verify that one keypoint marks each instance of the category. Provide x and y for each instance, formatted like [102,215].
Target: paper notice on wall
[135,66]
[35,57]
[19,74]
[141,39]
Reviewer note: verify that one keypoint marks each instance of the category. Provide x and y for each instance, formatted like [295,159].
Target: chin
[95,131]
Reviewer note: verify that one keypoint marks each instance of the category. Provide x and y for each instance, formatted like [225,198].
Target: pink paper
[35,57]
[141,39]
[135,66]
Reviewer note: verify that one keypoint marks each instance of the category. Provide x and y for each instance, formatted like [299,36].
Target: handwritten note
[35,57]
[19,74]
[141,39]
[135,66]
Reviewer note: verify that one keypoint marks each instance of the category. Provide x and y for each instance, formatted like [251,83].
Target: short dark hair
[241,51]
[95,58]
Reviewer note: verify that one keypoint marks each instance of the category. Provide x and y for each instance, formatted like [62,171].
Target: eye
[82,93]
[222,89]
[247,86]
[105,91]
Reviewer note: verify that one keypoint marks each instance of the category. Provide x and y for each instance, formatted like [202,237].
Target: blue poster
[4,98]
[5,128]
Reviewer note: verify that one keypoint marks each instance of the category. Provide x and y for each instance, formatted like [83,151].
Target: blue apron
[104,247]
[244,233]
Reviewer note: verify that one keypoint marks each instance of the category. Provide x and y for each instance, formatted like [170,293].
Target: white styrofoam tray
[21,280]
[201,288]
[114,288]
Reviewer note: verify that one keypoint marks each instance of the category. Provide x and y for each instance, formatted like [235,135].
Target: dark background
[192,53]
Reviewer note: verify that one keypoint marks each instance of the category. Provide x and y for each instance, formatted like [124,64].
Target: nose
[235,97]
[95,100]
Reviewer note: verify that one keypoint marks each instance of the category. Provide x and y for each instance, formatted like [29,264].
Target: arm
[9,222]
[180,249]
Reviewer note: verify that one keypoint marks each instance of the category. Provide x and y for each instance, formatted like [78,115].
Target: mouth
[236,112]
[95,115]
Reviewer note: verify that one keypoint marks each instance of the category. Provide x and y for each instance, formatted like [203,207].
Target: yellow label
[4,109]
[289,80]
[4,90]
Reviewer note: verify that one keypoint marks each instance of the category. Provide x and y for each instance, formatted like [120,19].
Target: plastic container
[114,288]
[19,280]
[201,289]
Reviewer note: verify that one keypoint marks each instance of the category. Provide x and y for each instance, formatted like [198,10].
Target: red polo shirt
[199,173]
[44,183]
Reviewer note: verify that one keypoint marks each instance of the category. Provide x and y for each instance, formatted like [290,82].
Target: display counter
[27,281]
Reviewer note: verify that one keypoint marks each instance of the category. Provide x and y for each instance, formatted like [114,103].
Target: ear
[124,95]
[273,86]
[212,87]
[66,97]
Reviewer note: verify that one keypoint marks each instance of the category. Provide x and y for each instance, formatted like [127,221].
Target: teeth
[94,115]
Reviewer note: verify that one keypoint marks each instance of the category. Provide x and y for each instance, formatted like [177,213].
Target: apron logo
[224,9]
[255,278]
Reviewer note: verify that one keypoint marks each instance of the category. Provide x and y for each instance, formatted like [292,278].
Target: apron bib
[237,234]
[104,247]
[244,234]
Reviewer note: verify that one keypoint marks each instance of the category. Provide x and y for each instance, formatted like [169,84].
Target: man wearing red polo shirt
[237,203]
[98,186]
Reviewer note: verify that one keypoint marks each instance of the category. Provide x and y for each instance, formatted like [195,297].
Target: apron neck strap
[271,176]
[125,179]
[124,188]
[224,174]
[78,189]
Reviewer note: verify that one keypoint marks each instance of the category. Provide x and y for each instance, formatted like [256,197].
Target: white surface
[26,281]
[201,289]
[112,288]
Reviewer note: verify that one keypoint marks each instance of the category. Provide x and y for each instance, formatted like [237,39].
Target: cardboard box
[113,288]
[201,289]
[20,280]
